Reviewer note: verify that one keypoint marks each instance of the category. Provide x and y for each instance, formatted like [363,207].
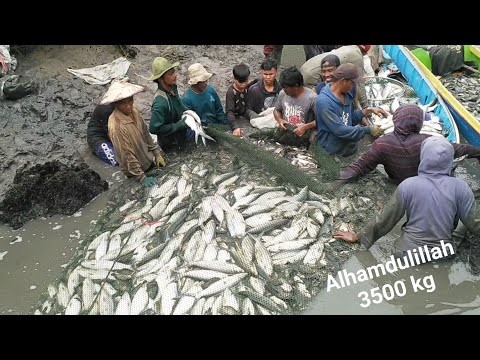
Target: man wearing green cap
[167,109]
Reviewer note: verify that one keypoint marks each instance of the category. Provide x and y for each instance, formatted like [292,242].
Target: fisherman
[311,69]
[135,149]
[336,115]
[399,151]
[264,93]
[97,134]
[236,106]
[328,66]
[295,104]
[166,119]
[433,201]
[202,97]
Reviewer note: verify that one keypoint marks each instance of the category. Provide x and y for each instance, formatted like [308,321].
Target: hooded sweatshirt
[259,99]
[399,152]
[336,123]
[433,201]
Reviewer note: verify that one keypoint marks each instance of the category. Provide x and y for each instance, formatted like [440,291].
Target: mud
[49,189]
[50,124]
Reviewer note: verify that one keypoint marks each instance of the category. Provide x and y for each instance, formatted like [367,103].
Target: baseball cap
[330,60]
[348,71]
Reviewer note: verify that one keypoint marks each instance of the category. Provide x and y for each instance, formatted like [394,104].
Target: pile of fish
[466,89]
[205,242]
[389,94]
[382,91]
[432,124]
[299,157]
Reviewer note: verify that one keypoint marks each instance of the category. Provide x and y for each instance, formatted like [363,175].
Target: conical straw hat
[120,90]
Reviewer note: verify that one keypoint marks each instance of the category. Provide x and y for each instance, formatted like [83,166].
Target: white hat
[120,90]
[196,73]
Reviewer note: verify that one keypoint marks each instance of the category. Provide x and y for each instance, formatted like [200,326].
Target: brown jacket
[134,147]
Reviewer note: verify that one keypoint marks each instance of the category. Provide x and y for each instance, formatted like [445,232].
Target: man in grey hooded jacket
[434,203]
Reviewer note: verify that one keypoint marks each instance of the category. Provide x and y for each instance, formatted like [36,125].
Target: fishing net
[329,168]
[288,137]
[409,97]
[255,156]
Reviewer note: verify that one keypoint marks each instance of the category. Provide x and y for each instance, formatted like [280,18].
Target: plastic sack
[266,120]
[17,87]
[8,63]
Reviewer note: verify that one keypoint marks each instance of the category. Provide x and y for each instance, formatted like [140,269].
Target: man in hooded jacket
[433,201]
[336,116]
[399,151]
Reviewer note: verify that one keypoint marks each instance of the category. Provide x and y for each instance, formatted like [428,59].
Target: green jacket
[167,110]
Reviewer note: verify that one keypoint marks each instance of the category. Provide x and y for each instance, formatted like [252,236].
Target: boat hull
[468,125]
[423,86]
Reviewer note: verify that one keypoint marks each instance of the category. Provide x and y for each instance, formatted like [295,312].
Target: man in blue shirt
[336,116]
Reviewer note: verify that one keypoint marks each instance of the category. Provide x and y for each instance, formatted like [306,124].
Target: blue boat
[423,86]
[468,125]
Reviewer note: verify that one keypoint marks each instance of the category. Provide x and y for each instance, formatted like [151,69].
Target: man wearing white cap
[135,149]
[202,97]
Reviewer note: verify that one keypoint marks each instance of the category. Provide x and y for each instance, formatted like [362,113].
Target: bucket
[424,57]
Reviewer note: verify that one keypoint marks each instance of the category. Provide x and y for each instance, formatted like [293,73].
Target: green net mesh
[256,156]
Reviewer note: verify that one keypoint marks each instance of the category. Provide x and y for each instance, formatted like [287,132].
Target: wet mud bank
[49,189]
[50,124]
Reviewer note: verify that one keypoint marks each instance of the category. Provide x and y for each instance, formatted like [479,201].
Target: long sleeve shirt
[207,105]
[135,149]
[400,158]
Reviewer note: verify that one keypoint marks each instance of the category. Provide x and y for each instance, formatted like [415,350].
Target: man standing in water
[434,202]
[263,94]
[353,54]
[295,104]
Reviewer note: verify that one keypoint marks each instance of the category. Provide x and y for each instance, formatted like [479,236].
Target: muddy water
[34,256]
[456,288]
[455,291]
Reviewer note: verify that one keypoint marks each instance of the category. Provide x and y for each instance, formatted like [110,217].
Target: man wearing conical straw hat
[135,149]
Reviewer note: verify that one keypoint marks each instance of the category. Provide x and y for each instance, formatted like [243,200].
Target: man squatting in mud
[135,149]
